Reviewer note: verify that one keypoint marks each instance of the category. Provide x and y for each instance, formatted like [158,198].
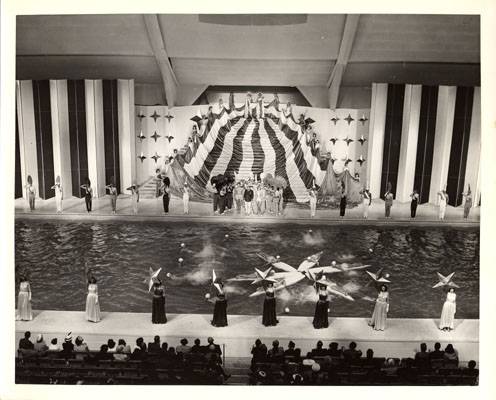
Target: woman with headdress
[220,308]
[92,303]
[367,200]
[186,198]
[443,202]
[30,192]
[288,112]
[260,106]
[24,312]
[447,322]
[248,105]
[342,202]
[388,201]
[158,302]
[321,317]
[378,320]
[134,197]
[269,317]
[413,205]
[158,182]
[112,194]
[88,194]
[468,202]
[58,194]
[165,193]
[275,102]
[312,192]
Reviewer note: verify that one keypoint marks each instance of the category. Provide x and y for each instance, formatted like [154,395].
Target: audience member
[318,351]
[40,345]
[126,347]
[334,351]
[212,349]
[276,352]
[450,354]
[68,346]
[437,353]
[54,345]
[183,347]
[154,347]
[103,354]
[259,352]
[197,347]
[292,351]
[111,345]
[25,343]
[351,353]
[422,358]
[120,353]
[80,345]
[164,348]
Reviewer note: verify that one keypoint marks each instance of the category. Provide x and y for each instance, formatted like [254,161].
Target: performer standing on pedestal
[378,320]
[88,194]
[220,308]
[58,194]
[30,192]
[113,195]
[24,312]
[413,205]
[269,317]
[92,303]
[158,302]
[321,318]
[468,202]
[367,200]
[248,105]
[447,322]
[443,201]
[388,201]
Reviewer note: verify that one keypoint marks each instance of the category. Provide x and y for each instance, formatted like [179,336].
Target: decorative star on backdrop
[361,160]
[169,138]
[348,140]
[155,116]
[141,136]
[155,136]
[335,120]
[349,119]
[155,157]
[141,116]
[445,281]
[141,157]
[347,160]
[333,160]
[169,117]
[333,140]
[363,119]
[362,140]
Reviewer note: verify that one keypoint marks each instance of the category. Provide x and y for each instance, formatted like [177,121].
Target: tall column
[376,137]
[95,135]
[409,139]
[442,141]
[27,134]
[127,153]
[60,134]
[472,171]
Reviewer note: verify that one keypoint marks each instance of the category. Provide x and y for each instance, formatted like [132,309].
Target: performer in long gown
[248,101]
[30,192]
[165,194]
[92,303]
[220,308]
[388,203]
[158,303]
[88,194]
[468,203]
[312,192]
[186,198]
[447,322]
[321,318]
[113,196]
[443,201]
[58,194]
[413,205]
[378,320]
[367,200]
[342,203]
[134,197]
[260,106]
[24,312]
[269,317]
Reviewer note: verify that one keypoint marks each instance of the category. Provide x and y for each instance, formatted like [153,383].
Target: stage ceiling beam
[334,82]
[158,46]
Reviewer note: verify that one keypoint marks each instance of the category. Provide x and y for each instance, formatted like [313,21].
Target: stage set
[269,189]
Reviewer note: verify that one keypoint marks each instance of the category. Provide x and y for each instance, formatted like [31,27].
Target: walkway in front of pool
[151,210]
[401,338]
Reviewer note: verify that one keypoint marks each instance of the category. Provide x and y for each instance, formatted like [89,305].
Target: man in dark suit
[25,343]
[351,353]
[437,353]
[213,348]
[154,347]
[319,351]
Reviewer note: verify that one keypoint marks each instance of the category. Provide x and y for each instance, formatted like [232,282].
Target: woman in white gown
[378,320]
[443,201]
[367,200]
[58,194]
[92,303]
[24,312]
[447,322]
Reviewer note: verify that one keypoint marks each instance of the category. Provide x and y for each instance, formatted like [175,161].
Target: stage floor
[402,337]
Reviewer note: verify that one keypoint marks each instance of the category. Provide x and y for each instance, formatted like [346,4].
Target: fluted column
[127,153]
[472,171]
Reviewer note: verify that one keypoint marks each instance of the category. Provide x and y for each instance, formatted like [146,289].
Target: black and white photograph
[273,198]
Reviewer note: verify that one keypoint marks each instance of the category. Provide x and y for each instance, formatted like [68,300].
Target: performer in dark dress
[269,317]
[342,203]
[413,205]
[220,309]
[158,303]
[165,193]
[320,319]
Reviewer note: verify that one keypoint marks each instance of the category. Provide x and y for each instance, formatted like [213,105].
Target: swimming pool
[54,254]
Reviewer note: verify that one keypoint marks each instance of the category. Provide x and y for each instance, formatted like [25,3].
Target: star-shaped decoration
[141,157]
[169,117]
[349,119]
[309,121]
[379,276]
[362,140]
[141,136]
[216,281]
[347,160]
[333,140]
[197,118]
[333,160]
[155,157]
[141,116]
[363,119]
[445,281]
[361,160]
[153,275]
[263,276]
[335,120]
[155,136]
[155,116]
[169,138]
[348,140]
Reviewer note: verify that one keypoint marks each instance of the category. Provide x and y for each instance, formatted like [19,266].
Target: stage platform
[402,337]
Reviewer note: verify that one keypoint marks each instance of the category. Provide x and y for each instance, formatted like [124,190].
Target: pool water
[54,254]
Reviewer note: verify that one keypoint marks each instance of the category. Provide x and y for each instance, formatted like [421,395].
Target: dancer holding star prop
[445,281]
[220,308]
[269,317]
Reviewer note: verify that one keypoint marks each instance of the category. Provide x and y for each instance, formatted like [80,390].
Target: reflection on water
[54,254]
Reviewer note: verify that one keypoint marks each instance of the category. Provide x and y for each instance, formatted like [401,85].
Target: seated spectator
[292,351]
[111,345]
[80,345]
[25,343]
[139,352]
[369,357]
[120,353]
[259,352]
[450,354]
[164,347]
[68,346]
[422,358]
[471,370]
[334,351]
[54,346]
[437,353]
[154,347]
[318,351]
[351,353]
[170,357]
[197,347]
[213,349]
[390,367]
[126,347]
[276,352]
[40,345]
[183,348]
[103,354]
[215,367]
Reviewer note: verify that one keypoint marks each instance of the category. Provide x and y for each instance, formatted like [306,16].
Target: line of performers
[219,318]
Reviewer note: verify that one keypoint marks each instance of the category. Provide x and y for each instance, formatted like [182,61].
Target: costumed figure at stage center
[158,302]
[468,202]
[24,312]
[219,318]
[447,322]
[113,195]
[260,106]
[58,194]
[413,205]
[366,201]
[443,202]
[321,316]
[134,188]
[379,316]
[92,303]
[312,193]
[269,317]
[165,189]
[30,192]
[88,194]
[248,101]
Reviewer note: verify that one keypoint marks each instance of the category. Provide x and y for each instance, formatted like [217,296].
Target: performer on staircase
[312,192]
[186,198]
[165,189]
[443,201]
[413,205]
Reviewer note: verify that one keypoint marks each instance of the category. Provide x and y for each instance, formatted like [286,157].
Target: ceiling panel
[318,39]
[252,72]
